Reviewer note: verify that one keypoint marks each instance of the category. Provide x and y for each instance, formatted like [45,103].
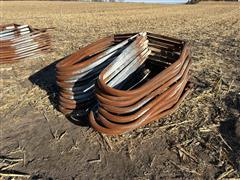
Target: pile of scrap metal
[125,81]
[22,41]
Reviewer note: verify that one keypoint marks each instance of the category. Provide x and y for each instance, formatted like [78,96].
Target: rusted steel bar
[122,108]
[21,41]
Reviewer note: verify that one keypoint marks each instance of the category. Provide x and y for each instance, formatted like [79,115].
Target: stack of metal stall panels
[146,81]
[77,73]
[22,41]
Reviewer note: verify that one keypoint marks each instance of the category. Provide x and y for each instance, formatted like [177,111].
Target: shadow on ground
[46,80]
[230,128]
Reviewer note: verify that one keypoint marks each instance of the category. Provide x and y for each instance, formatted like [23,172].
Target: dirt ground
[200,140]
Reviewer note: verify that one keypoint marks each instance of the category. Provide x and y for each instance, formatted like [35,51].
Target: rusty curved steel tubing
[72,79]
[158,115]
[113,121]
[82,97]
[75,104]
[71,85]
[129,94]
[10,52]
[141,46]
[35,54]
[24,54]
[163,43]
[67,108]
[70,100]
[122,101]
[71,70]
[153,83]
[109,131]
[16,29]
[99,61]
[163,38]
[127,128]
[28,41]
[76,74]
[140,59]
[139,122]
[81,88]
[40,38]
[29,54]
[136,62]
[167,103]
[65,111]
[166,38]
[146,111]
[121,110]
[133,63]
[149,97]
[83,52]
[21,41]
[24,47]
[26,37]
[4,26]
[19,52]
[90,63]
[7,34]
[126,101]
[129,53]
[79,98]
[89,50]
